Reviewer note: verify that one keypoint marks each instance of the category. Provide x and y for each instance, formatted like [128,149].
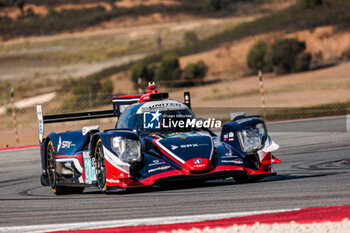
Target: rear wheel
[100,166]
[53,176]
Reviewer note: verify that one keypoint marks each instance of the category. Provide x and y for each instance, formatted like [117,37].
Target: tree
[216,5]
[213,5]
[310,4]
[256,57]
[112,2]
[20,5]
[139,70]
[283,53]
[30,13]
[169,68]
[195,70]
[151,69]
[302,62]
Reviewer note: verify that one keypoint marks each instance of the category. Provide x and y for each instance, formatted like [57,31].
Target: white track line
[132,222]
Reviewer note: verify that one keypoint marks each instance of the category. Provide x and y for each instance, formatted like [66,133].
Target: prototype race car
[155,141]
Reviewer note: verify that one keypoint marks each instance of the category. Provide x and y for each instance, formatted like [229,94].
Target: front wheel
[100,166]
[53,176]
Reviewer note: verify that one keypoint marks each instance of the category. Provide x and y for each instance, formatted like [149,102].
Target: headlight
[128,150]
[252,139]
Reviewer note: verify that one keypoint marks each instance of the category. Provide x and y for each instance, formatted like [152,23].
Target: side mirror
[234,115]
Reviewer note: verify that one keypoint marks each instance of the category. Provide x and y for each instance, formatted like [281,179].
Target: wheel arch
[105,138]
[43,148]
[93,143]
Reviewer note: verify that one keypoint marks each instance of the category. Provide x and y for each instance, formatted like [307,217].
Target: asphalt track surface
[315,171]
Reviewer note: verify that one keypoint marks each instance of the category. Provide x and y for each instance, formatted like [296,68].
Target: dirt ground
[14,12]
[323,43]
[30,136]
[322,86]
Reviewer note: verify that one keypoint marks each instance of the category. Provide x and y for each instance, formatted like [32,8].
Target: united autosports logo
[151,120]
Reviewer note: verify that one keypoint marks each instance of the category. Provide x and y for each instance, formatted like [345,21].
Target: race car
[156,141]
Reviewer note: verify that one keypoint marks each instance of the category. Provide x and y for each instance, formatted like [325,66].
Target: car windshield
[164,121]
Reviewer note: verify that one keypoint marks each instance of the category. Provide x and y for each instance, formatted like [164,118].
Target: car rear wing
[49,119]
[120,103]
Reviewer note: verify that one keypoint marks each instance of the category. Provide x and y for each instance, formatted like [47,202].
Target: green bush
[216,5]
[256,57]
[19,4]
[195,70]
[112,2]
[346,55]
[302,62]
[310,4]
[152,70]
[30,13]
[282,55]
[169,68]
[140,70]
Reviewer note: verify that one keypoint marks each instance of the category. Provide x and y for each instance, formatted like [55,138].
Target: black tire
[52,174]
[100,166]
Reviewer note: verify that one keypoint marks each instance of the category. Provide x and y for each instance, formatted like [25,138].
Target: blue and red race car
[155,141]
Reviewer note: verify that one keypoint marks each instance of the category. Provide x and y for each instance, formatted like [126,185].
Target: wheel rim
[100,168]
[51,166]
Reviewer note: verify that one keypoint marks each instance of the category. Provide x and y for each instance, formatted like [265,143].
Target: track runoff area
[317,219]
[329,218]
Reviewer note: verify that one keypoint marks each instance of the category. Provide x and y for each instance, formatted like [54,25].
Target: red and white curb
[204,223]
[19,148]
[138,223]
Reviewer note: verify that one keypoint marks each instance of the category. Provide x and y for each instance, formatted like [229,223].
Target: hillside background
[73,55]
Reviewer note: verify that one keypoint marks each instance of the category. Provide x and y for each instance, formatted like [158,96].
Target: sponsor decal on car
[228,154]
[231,136]
[197,161]
[225,137]
[165,105]
[227,161]
[156,162]
[112,181]
[237,161]
[162,168]
[184,146]
[64,144]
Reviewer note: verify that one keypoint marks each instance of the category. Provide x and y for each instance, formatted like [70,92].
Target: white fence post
[262,95]
[14,115]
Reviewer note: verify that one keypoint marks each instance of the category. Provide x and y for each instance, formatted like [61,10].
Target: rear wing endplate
[121,102]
